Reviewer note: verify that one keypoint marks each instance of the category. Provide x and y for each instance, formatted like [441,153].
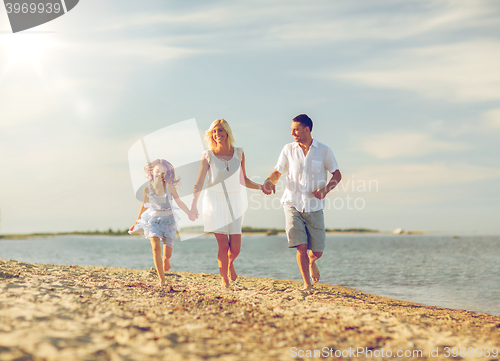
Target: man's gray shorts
[305,228]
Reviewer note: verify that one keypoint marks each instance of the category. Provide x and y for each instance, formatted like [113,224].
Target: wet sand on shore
[53,312]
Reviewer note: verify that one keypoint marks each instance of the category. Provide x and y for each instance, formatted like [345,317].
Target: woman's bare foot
[225,283]
[166,264]
[314,271]
[232,273]
[307,287]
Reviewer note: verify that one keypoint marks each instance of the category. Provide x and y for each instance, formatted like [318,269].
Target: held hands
[268,187]
[193,214]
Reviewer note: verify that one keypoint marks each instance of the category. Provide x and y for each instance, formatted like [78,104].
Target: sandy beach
[51,312]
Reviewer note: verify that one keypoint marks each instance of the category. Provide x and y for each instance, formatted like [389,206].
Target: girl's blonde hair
[209,137]
[169,177]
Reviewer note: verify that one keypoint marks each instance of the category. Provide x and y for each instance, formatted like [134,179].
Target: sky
[406,94]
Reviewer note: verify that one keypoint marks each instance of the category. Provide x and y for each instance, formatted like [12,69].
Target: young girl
[156,219]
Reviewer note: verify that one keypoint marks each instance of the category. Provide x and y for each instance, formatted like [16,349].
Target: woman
[223,203]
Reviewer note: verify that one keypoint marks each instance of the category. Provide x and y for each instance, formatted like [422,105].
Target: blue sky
[407,95]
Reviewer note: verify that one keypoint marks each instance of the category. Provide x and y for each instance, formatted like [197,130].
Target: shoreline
[92,234]
[246,231]
[70,312]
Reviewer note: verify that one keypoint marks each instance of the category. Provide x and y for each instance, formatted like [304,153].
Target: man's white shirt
[305,174]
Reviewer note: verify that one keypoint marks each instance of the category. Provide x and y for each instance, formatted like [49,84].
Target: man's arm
[268,186]
[322,192]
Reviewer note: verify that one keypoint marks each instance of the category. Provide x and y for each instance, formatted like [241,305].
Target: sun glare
[25,48]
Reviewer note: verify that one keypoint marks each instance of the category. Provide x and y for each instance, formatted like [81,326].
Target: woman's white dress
[225,199]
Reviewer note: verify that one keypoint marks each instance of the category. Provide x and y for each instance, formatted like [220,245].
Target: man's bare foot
[314,271]
[166,264]
[232,273]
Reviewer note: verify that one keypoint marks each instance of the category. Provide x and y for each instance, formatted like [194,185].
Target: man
[306,162]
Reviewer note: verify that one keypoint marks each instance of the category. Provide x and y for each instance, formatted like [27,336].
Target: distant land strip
[196,229]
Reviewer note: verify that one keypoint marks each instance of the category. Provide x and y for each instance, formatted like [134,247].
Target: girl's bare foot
[166,264]
[232,273]
[164,285]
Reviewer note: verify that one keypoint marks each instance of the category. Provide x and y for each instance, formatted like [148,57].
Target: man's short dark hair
[304,120]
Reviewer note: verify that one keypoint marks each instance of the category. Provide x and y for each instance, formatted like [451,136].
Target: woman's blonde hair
[209,137]
[169,177]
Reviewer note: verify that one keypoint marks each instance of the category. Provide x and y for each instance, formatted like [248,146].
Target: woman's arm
[248,183]
[198,186]
[180,203]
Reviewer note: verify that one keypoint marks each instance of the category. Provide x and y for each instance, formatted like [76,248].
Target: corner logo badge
[26,14]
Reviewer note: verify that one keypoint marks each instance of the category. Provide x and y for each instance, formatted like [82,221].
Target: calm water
[460,273]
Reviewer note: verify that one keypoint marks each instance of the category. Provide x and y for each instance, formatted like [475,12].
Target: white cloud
[416,176]
[487,123]
[228,19]
[285,23]
[491,119]
[400,144]
[144,50]
[350,21]
[399,188]
[459,72]
[209,16]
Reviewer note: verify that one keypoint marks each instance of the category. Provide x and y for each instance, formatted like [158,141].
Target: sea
[461,272]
